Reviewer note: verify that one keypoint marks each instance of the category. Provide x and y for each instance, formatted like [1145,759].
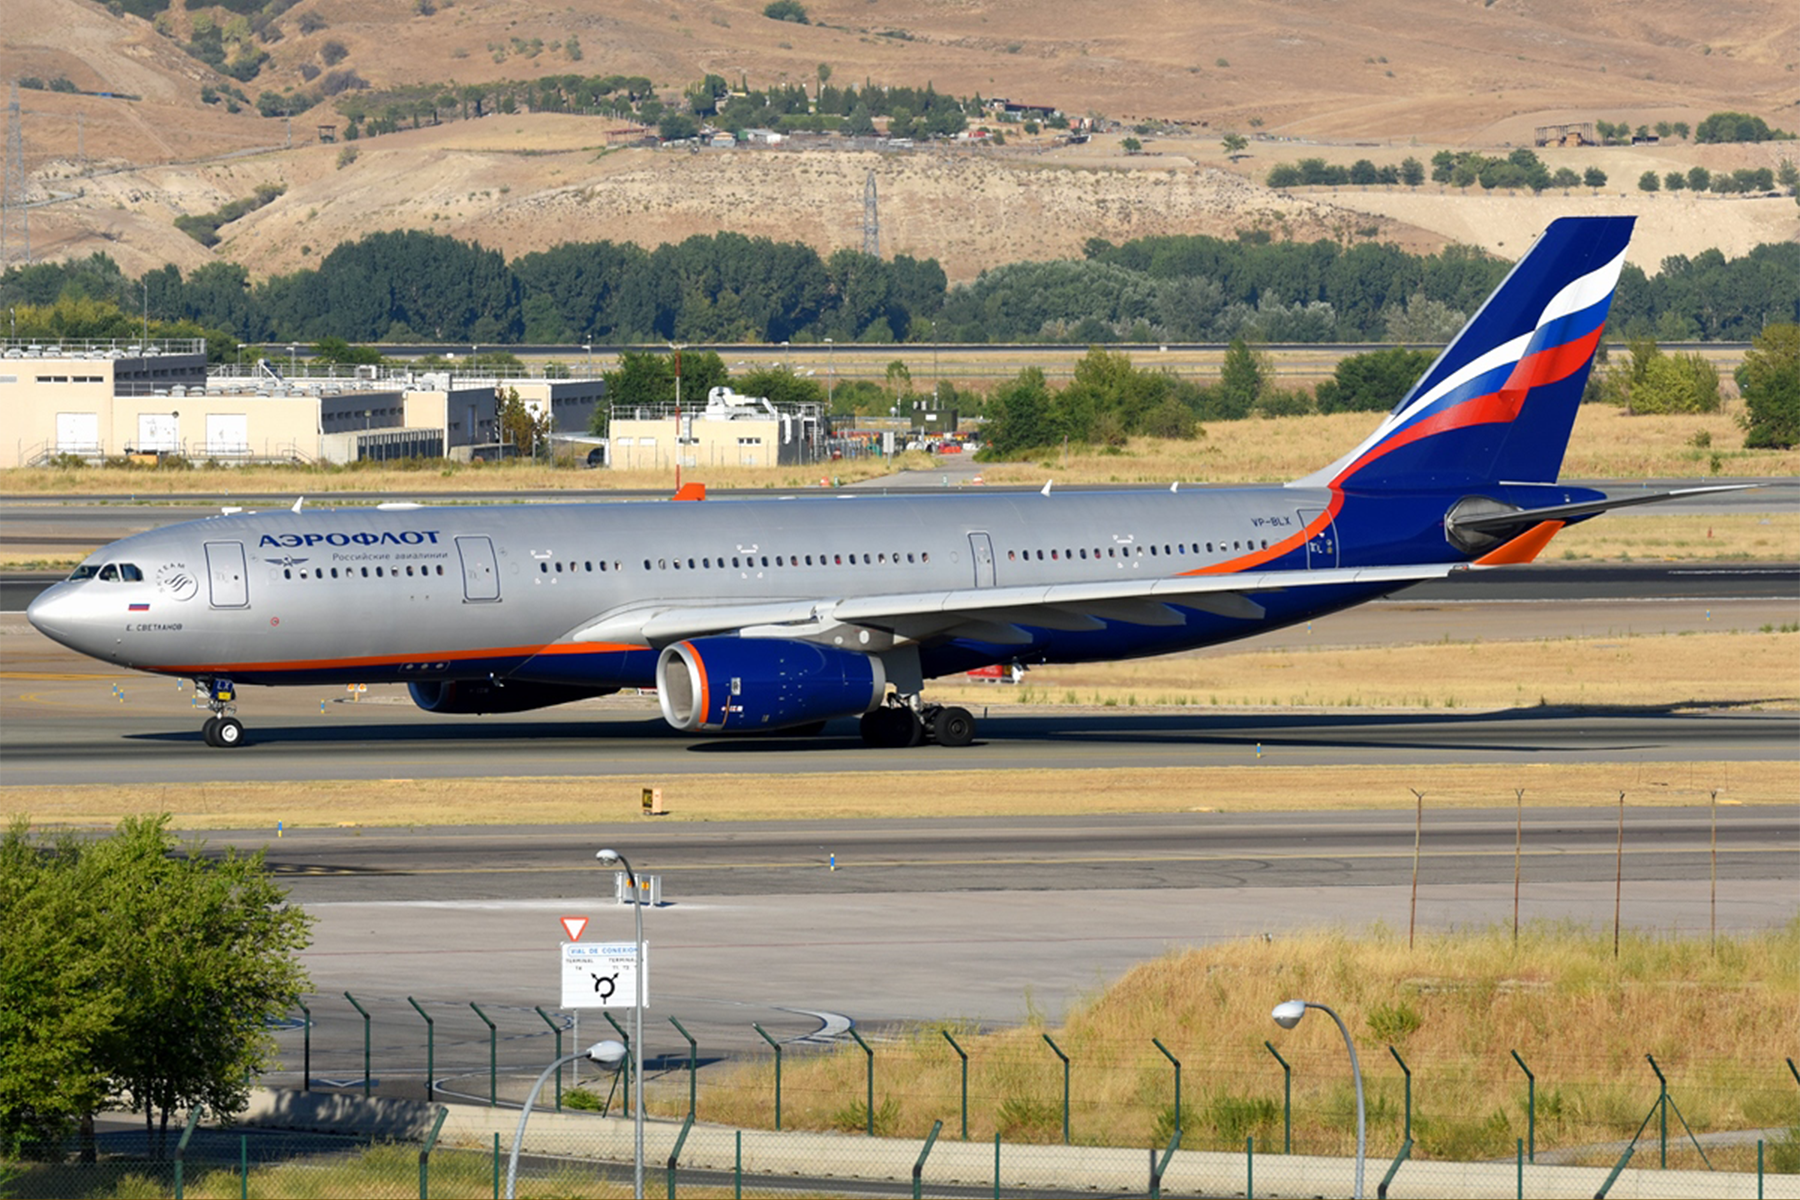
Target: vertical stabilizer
[1498,403]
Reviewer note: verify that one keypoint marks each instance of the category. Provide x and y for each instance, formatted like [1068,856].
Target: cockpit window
[109,573]
[84,571]
[130,574]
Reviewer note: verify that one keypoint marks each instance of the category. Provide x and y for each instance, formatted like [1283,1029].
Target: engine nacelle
[738,684]
[485,696]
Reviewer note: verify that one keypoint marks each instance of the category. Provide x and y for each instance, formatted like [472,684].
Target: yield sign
[572,926]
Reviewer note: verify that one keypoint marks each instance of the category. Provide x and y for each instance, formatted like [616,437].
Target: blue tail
[1498,404]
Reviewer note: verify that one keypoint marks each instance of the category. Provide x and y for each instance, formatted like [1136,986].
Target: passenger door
[1322,546]
[981,552]
[481,574]
[225,573]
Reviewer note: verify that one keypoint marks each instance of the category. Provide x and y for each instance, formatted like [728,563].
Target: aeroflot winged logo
[407,537]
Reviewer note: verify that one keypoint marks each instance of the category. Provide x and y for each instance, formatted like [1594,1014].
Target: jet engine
[738,684]
[488,696]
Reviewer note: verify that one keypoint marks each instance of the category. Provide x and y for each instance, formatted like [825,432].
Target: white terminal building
[119,398]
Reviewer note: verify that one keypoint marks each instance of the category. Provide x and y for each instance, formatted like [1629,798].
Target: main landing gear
[221,729]
[893,726]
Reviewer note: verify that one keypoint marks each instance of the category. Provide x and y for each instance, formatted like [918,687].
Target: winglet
[691,491]
[1047,484]
[1522,549]
[297,503]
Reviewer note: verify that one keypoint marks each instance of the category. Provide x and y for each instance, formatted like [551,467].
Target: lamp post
[1287,1015]
[611,857]
[608,1054]
[830,375]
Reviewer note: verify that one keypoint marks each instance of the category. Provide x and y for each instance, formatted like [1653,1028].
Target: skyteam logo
[294,541]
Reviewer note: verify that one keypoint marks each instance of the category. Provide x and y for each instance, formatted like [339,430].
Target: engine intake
[737,684]
[468,696]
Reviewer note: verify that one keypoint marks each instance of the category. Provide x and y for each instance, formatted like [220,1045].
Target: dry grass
[1454,1006]
[1242,782]
[1605,444]
[1684,670]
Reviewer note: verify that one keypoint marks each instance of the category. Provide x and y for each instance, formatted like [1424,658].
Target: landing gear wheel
[892,728]
[953,727]
[228,733]
[210,731]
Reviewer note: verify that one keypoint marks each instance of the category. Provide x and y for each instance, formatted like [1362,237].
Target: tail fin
[1498,403]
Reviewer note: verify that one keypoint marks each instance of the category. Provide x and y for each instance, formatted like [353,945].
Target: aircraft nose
[53,614]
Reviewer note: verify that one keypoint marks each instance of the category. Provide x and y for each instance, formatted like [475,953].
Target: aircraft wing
[990,614]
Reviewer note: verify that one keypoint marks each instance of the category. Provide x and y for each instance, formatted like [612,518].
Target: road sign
[602,974]
[572,927]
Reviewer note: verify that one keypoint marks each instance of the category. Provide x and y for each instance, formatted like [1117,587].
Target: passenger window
[110,573]
[765,560]
[1053,556]
[287,573]
[809,561]
[909,558]
[924,556]
[646,564]
[543,568]
[409,571]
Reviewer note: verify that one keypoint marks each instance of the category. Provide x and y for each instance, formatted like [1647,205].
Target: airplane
[752,615]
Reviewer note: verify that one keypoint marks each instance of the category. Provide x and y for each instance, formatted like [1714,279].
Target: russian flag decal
[140,608]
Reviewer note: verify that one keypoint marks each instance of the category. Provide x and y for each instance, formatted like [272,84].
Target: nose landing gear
[221,729]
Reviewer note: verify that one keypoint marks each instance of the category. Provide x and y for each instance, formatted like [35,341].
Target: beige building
[728,430]
[100,400]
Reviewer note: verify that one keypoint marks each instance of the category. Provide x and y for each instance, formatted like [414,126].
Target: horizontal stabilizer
[1519,518]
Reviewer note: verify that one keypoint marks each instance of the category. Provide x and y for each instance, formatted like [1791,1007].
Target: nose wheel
[221,729]
[224,732]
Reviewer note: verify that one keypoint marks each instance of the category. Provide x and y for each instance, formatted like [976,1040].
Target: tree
[1769,379]
[1594,177]
[1019,417]
[1675,181]
[1412,171]
[197,957]
[1649,182]
[1130,145]
[1235,144]
[1372,382]
[520,425]
[1699,179]
[1240,380]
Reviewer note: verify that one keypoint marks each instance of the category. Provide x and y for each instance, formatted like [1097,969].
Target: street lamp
[611,857]
[1287,1015]
[609,1054]
[830,375]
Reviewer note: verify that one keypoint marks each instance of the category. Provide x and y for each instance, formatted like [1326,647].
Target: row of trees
[415,286]
[1744,179]
[135,974]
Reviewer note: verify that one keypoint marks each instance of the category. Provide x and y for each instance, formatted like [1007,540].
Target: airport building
[96,400]
[728,430]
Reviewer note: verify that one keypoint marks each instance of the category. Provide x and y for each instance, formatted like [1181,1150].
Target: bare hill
[1374,78]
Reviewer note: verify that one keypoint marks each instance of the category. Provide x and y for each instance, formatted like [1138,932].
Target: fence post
[182,1145]
[871,1100]
[557,1030]
[1662,1107]
[1177,1062]
[425,1152]
[493,1058]
[1406,1145]
[996,1164]
[1287,1101]
[1530,1108]
[365,1016]
[775,1046]
[1250,1167]
[1630,1149]
[629,1060]
[1521,1159]
[305,1047]
[962,1054]
[919,1166]
[693,1063]
[737,1168]
[1158,1168]
[243,1166]
[680,1141]
[1065,1063]
[496,1164]
[430,1048]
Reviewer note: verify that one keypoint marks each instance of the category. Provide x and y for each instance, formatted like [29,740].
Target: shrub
[786,10]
